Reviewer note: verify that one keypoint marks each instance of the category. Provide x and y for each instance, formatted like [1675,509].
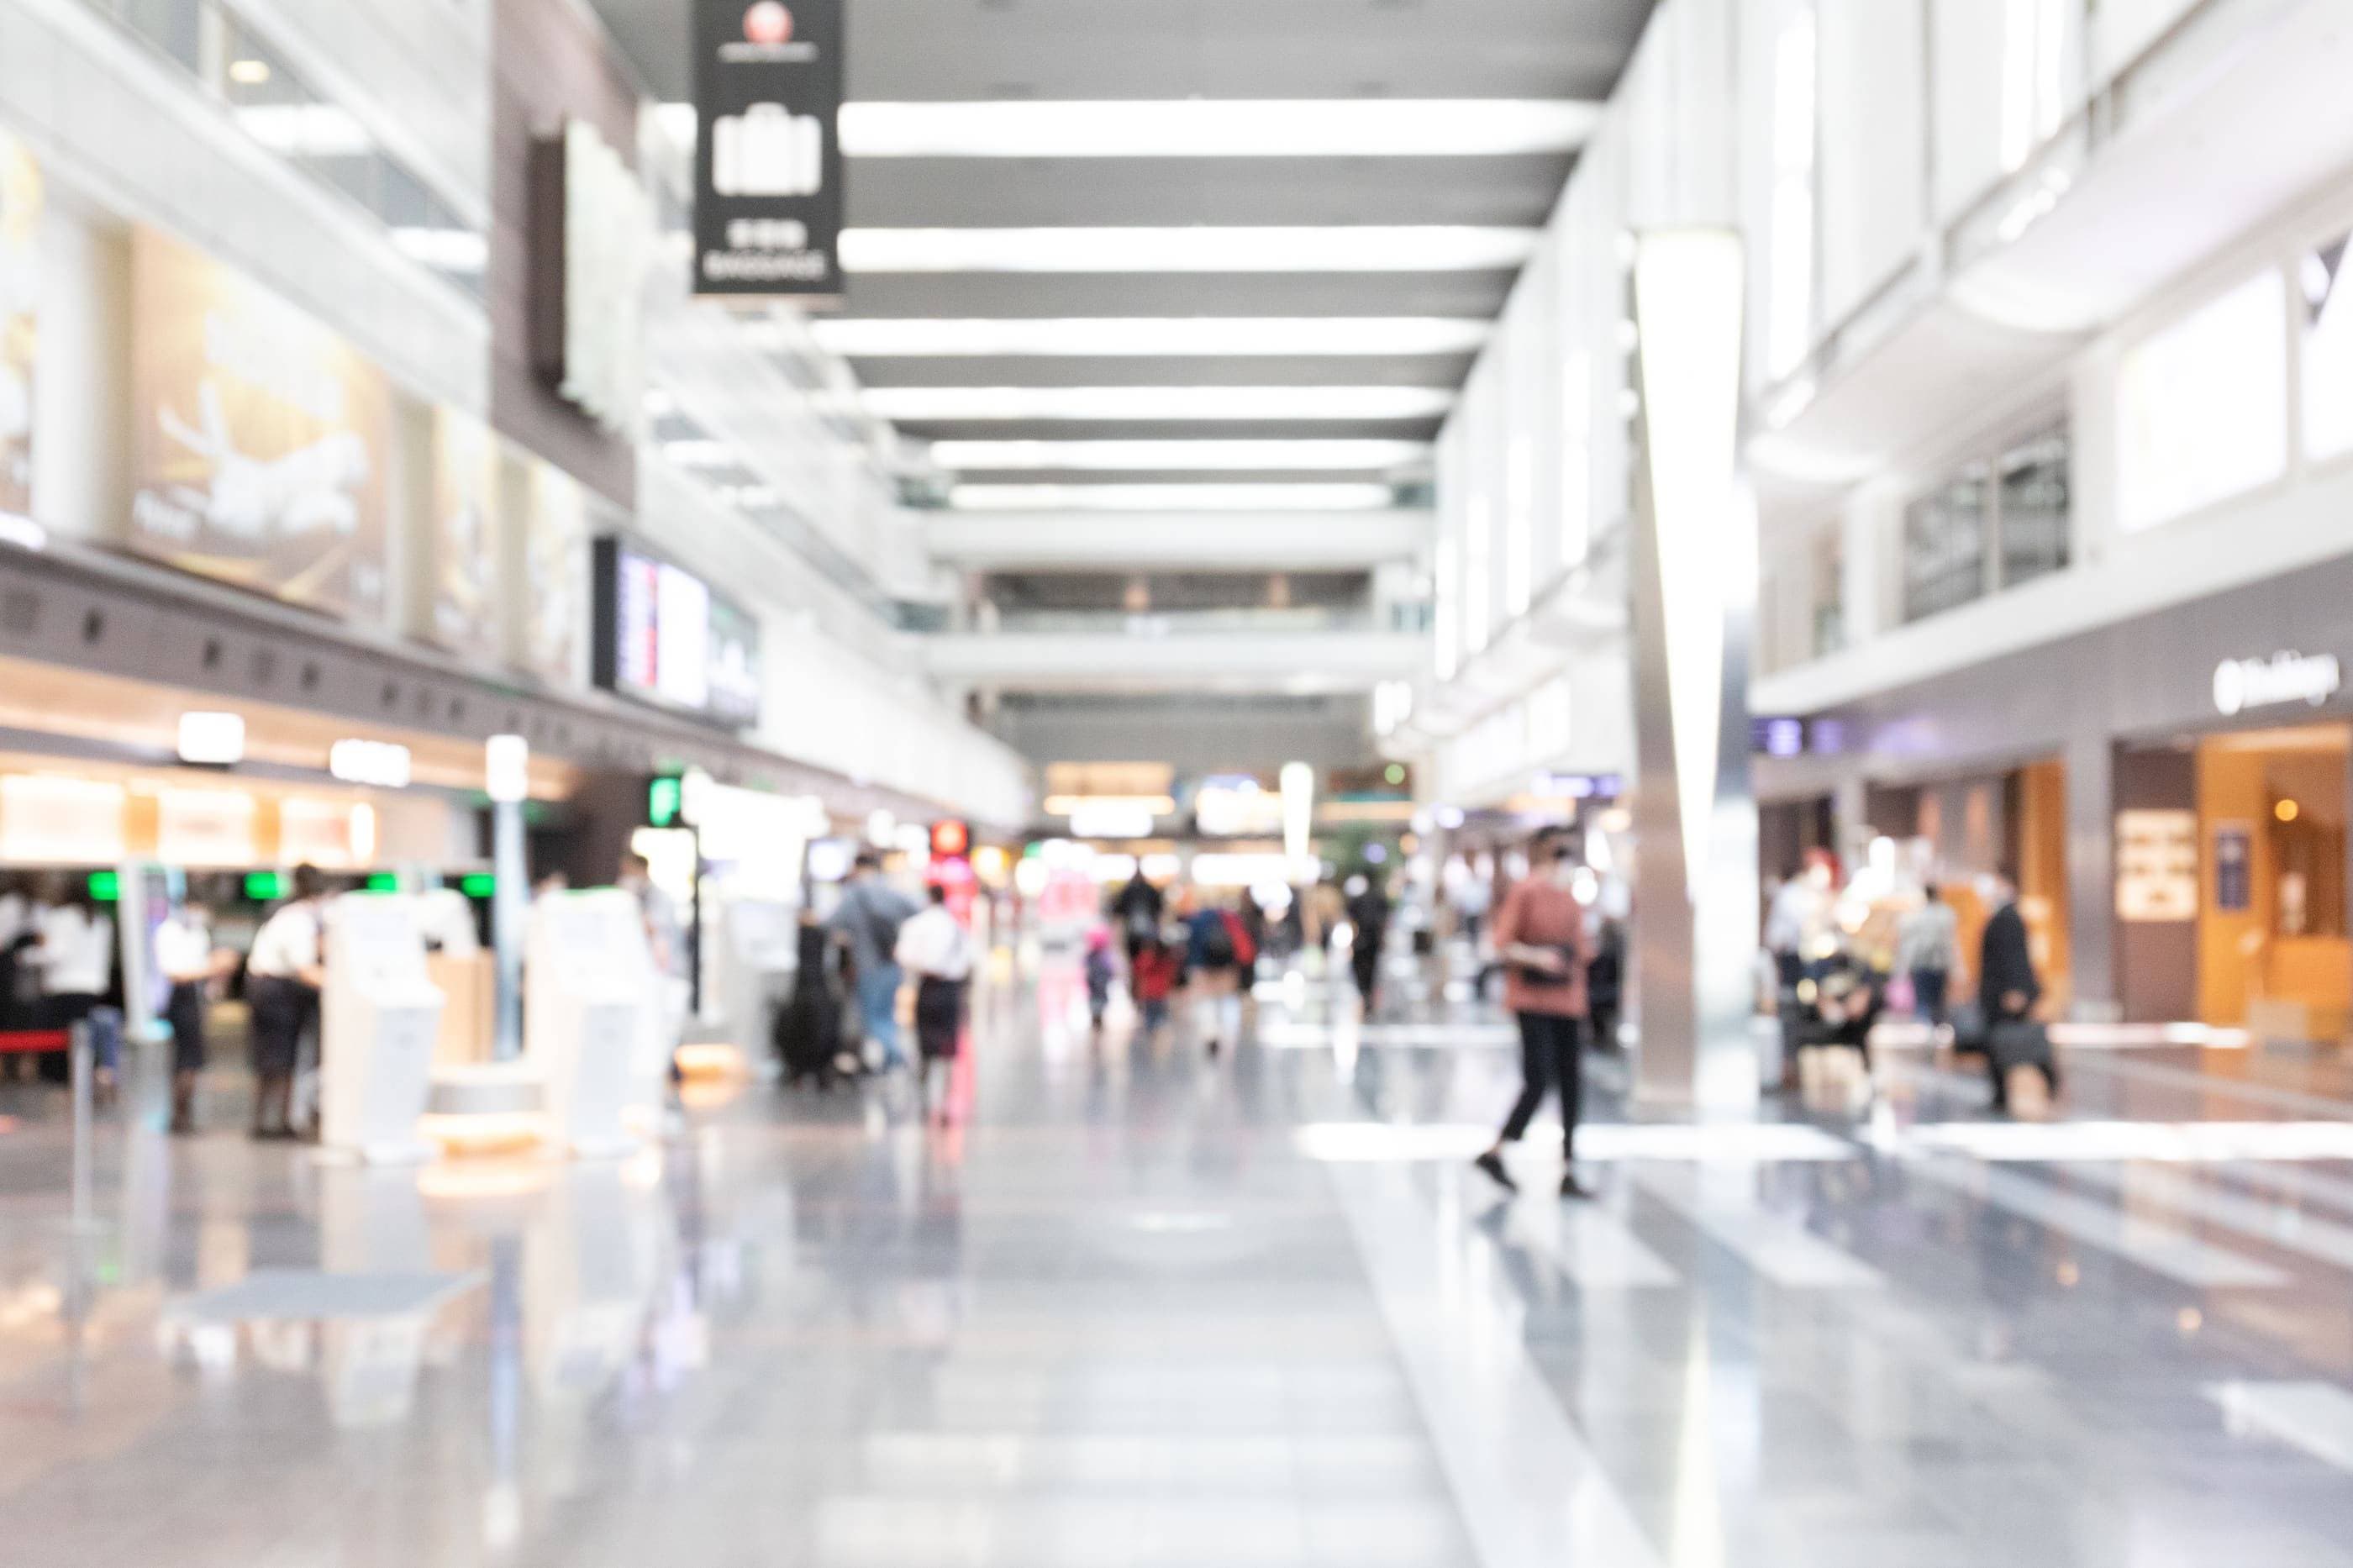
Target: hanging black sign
[767,92]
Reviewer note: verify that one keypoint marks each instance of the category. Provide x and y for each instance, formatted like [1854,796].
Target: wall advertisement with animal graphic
[464,596]
[20,271]
[261,441]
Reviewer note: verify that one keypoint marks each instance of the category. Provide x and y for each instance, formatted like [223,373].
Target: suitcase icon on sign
[768,151]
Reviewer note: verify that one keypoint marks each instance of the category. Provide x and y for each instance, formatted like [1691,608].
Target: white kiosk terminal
[379,1022]
[588,974]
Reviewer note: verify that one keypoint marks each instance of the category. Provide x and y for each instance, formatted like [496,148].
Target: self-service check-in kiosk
[378,1021]
[589,974]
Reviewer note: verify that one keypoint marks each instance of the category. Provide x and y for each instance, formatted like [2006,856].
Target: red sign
[950,839]
[768,23]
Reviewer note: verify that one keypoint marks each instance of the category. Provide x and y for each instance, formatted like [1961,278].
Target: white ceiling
[935,51]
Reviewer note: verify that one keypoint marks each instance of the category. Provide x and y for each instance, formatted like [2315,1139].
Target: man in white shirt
[284,974]
[188,961]
[934,948]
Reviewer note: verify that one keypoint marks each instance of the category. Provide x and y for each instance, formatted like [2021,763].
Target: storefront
[2172,791]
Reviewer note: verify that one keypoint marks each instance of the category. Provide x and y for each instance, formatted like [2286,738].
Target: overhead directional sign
[767,93]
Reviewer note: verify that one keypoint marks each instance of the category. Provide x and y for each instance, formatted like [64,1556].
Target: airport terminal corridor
[1133,1305]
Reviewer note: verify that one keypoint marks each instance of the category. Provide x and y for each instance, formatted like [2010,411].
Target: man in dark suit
[2007,987]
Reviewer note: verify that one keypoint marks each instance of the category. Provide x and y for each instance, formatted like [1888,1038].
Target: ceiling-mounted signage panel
[768,169]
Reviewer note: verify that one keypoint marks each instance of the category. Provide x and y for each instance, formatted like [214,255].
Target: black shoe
[1214,1047]
[1570,1187]
[1493,1163]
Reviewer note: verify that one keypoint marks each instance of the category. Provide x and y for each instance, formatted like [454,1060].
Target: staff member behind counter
[284,974]
[190,963]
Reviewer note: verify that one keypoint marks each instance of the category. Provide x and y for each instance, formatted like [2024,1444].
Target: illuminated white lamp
[1688,303]
[212,740]
[379,765]
[506,768]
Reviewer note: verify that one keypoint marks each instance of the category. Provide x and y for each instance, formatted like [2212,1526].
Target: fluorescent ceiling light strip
[1180,498]
[1156,337]
[1200,248]
[1323,457]
[1149,402]
[1211,128]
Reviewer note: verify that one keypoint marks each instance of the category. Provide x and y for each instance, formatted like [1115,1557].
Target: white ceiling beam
[1199,541]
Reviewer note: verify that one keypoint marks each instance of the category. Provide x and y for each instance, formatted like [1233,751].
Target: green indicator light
[265,887]
[664,798]
[477,884]
[105,886]
[1396,774]
[384,882]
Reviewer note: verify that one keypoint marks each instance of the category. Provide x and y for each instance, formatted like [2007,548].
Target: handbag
[2016,1043]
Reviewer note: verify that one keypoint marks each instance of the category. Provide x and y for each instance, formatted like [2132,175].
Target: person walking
[2007,990]
[934,948]
[1219,956]
[1540,937]
[284,976]
[1369,919]
[1605,986]
[187,959]
[1100,973]
[1929,949]
[869,919]
[1138,910]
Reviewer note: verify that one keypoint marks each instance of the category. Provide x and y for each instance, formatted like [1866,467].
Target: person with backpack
[1222,956]
[1137,910]
[868,920]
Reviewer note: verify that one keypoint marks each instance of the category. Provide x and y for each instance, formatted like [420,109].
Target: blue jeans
[878,1005]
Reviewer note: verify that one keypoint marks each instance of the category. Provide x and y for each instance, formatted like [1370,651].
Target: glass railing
[1190,623]
[271,102]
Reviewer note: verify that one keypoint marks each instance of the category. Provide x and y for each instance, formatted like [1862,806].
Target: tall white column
[1694,591]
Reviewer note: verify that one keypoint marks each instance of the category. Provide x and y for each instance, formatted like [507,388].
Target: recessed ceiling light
[1151,337]
[1214,128]
[248,72]
[1150,403]
[1207,457]
[1171,498]
[1198,249]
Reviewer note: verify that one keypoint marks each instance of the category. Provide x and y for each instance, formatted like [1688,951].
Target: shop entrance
[2273,948]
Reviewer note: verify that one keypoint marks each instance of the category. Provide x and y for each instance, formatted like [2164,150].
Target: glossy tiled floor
[1145,1309]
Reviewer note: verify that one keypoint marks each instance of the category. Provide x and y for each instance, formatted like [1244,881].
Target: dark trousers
[1928,994]
[1367,958]
[1552,1052]
[283,1011]
[186,1013]
[939,1017]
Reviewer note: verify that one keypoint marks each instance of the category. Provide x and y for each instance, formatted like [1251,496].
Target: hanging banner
[464,543]
[260,438]
[554,561]
[767,95]
[20,277]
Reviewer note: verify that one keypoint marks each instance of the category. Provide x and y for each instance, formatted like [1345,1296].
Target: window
[1996,523]
[1828,601]
[2201,406]
[1944,544]
[1789,307]
[2034,507]
[272,102]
